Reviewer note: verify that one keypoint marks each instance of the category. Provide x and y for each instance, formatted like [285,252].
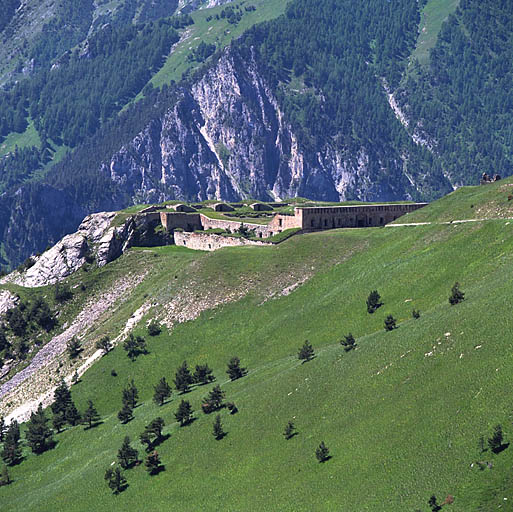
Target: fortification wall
[282,222]
[187,221]
[261,230]
[208,242]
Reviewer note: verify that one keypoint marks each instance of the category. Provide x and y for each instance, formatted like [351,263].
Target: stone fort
[185,223]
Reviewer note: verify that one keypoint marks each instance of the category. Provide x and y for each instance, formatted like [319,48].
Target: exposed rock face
[7,300]
[227,138]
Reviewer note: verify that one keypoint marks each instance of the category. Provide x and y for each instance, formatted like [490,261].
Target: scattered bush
[322,452]
[373,301]
[456,294]
[390,323]
[415,314]
[306,352]
[349,343]
[154,328]
[62,293]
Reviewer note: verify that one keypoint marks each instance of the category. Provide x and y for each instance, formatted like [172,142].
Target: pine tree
[134,346]
[155,427]
[130,395]
[154,328]
[184,413]
[162,392]
[3,429]
[127,455]
[234,369]
[104,344]
[145,439]
[11,453]
[62,398]
[125,414]
[74,347]
[152,463]
[373,301]
[58,421]
[72,415]
[203,374]
[183,378]
[290,430]
[5,479]
[349,343]
[322,452]
[456,294]
[306,352]
[39,434]
[217,429]
[214,400]
[495,442]
[415,314]
[91,416]
[432,502]
[115,480]
[390,323]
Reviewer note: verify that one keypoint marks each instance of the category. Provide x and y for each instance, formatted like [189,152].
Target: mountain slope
[402,415]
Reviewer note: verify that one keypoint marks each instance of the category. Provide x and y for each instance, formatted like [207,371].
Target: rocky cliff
[227,137]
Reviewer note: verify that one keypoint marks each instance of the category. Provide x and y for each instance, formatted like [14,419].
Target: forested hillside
[325,101]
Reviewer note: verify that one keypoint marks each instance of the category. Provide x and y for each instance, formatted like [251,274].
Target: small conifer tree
[373,301]
[5,478]
[72,415]
[495,442]
[58,421]
[104,344]
[432,502]
[415,314]
[203,374]
[390,323]
[130,395]
[184,413]
[349,343]
[217,430]
[152,463]
[154,328]
[290,430]
[91,416]
[3,429]
[11,452]
[126,414]
[214,400]
[74,347]
[183,378]
[162,392]
[115,480]
[235,371]
[127,455]
[456,294]
[134,346]
[322,452]
[39,434]
[306,352]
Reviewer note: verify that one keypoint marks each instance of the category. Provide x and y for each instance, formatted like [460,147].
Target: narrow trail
[448,222]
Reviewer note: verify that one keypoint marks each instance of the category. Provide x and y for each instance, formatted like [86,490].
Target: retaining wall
[208,242]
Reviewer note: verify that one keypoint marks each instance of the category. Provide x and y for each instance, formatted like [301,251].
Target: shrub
[349,343]
[154,328]
[63,293]
[390,323]
[306,352]
[373,301]
[456,294]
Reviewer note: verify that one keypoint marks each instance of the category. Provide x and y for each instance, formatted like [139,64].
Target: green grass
[481,202]
[28,138]
[433,15]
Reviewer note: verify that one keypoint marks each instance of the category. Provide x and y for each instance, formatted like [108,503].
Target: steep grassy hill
[402,415]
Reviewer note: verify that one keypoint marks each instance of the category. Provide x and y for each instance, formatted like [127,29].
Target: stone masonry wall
[208,242]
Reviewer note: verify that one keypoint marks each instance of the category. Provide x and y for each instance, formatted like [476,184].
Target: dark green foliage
[232,408]
[183,378]
[217,428]
[203,51]
[72,415]
[39,434]
[153,463]
[16,320]
[349,343]
[7,12]
[76,378]
[115,480]
[126,414]
[130,395]
[235,371]
[134,346]
[373,301]
[74,347]
[4,342]
[457,295]
[61,398]
[162,392]
[390,323]
[495,442]
[290,430]
[11,452]
[154,328]
[203,374]
[63,293]
[58,421]
[322,452]
[91,416]
[415,314]
[41,313]
[127,456]
[3,428]
[214,400]
[306,352]
[432,502]
[104,344]
[184,413]
[152,433]
[5,479]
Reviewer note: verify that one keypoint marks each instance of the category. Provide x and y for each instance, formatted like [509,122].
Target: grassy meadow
[401,415]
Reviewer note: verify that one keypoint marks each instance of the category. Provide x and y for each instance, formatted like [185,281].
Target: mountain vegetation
[339,419]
